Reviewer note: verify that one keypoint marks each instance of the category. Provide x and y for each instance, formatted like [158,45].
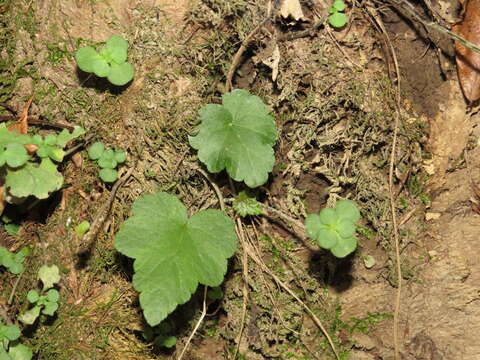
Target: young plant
[13,262]
[160,335]
[174,253]
[245,205]
[45,301]
[337,17]
[10,348]
[237,136]
[110,61]
[334,229]
[107,160]
[34,173]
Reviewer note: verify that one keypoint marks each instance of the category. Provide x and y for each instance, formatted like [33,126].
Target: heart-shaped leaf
[174,253]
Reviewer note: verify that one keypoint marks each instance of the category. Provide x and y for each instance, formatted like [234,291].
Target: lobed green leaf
[174,253]
[237,136]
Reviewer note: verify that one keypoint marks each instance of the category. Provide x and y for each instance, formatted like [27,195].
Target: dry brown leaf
[291,8]
[272,61]
[21,126]
[468,61]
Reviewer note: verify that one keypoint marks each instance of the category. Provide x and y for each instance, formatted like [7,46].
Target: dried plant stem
[392,192]
[239,54]
[317,321]
[406,6]
[199,322]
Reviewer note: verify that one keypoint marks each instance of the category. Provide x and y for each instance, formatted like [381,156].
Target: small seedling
[10,348]
[82,228]
[159,335]
[334,229]
[245,205]
[337,17]
[107,160]
[110,61]
[13,262]
[45,301]
[24,174]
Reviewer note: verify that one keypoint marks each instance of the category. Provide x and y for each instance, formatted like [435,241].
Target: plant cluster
[33,171]
[110,61]
[45,301]
[334,229]
[337,16]
[13,262]
[107,160]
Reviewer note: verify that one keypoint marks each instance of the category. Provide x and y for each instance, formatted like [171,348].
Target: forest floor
[333,96]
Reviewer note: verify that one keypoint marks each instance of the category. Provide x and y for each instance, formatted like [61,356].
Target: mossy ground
[335,120]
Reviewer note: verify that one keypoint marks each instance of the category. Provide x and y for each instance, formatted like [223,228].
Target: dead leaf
[21,126]
[77,160]
[272,61]
[468,61]
[291,8]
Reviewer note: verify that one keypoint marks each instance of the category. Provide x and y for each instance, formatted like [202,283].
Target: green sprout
[107,160]
[13,262]
[337,17]
[110,61]
[45,301]
[334,229]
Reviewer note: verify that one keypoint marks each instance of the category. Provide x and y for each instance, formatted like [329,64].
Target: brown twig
[37,121]
[101,216]
[204,312]
[407,7]
[239,54]
[396,313]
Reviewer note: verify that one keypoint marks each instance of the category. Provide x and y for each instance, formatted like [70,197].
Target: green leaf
[32,296]
[174,253]
[327,238]
[344,247]
[65,136]
[47,147]
[328,216]
[108,175]
[82,228]
[245,205]
[86,57]
[107,160]
[15,155]
[29,316]
[9,332]
[53,295]
[49,275]
[346,228]
[101,68]
[35,180]
[50,308]
[121,74]
[96,150]
[120,156]
[166,341]
[338,20]
[339,5]
[313,225]
[12,229]
[346,209]
[117,46]
[237,136]
[20,352]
